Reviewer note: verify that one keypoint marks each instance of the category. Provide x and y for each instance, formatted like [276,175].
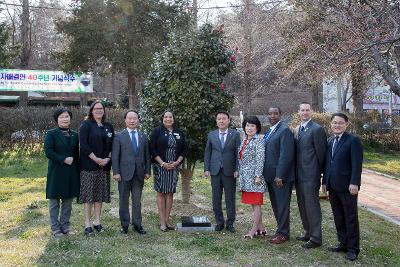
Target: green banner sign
[45,81]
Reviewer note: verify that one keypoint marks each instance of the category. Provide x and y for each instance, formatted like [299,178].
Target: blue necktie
[266,135]
[222,139]
[301,128]
[334,145]
[134,143]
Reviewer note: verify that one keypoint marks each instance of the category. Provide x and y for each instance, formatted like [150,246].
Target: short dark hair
[90,112]
[339,114]
[132,110]
[59,111]
[173,116]
[251,120]
[278,108]
[222,112]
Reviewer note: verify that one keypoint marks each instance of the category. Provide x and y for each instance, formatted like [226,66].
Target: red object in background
[232,58]
[222,86]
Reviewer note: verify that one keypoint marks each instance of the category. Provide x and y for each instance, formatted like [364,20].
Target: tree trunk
[358,85]
[25,54]
[132,94]
[83,100]
[186,178]
[247,57]
[316,101]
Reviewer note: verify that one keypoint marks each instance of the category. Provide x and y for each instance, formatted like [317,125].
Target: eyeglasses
[338,123]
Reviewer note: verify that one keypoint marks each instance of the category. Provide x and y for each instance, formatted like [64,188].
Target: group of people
[279,160]
[79,166]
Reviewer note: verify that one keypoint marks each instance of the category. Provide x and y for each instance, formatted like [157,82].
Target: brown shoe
[278,239]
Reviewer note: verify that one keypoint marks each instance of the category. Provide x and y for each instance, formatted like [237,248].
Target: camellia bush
[187,78]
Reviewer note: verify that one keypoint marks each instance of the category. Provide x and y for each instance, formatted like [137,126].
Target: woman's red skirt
[252,198]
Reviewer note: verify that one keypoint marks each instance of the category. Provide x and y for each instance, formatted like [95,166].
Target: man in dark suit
[131,165]
[310,153]
[279,171]
[221,163]
[342,178]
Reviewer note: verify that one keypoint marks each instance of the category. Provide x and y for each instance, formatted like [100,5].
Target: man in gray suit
[221,163]
[279,172]
[131,165]
[310,153]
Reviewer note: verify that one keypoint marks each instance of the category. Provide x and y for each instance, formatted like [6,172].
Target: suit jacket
[62,179]
[280,154]
[124,160]
[310,152]
[159,143]
[96,140]
[216,157]
[345,167]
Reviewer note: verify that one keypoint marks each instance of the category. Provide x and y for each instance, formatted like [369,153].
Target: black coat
[62,179]
[345,167]
[96,140]
[159,143]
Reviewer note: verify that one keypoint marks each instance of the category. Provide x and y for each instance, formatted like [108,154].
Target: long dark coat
[62,179]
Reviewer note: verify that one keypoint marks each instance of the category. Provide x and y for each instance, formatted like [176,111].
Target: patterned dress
[165,181]
[251,164]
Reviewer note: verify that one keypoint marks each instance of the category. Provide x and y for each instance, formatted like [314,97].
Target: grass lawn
[388,162]
[25,237]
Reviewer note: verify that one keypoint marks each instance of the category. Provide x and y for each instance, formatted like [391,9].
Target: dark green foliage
[119,35]
[186,77]
[7,53]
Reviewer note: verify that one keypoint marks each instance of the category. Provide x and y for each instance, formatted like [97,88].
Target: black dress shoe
[351,256]
[219,227]
[230,228]
[99,228]
[302,238]
[123,230]
[311,244]
[338,248]
[88,231]
[139,229]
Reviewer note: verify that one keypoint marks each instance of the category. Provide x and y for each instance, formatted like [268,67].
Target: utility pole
[25,54]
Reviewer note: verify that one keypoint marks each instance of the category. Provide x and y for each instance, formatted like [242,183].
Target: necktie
[221,138]
[266,135]
[134,143]
[335,143]
[301,128]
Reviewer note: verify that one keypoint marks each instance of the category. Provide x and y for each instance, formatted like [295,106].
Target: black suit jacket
[94,139]
[345,167]
[159,143]
[280,155]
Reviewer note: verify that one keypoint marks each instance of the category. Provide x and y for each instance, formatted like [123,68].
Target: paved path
[380,195]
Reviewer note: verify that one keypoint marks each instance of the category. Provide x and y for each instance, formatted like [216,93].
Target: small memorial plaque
[195,221]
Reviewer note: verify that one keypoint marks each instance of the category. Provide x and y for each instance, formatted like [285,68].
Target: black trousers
[280,202]
[221,183]
[345,214]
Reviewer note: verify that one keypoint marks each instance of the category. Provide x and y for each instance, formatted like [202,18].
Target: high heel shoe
[164,229]
[261,232]
[249,237]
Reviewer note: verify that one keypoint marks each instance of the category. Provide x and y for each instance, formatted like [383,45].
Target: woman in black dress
[96,137]
[168,149]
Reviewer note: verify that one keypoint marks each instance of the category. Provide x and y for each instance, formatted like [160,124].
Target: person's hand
[98,161]
[117,177]
[207,174]
[146,176]
[353,189]
[69,160]
[278,182]
[103,162]
[258,179]
[236,174]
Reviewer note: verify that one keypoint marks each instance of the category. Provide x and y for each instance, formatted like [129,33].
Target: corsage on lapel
[177,136]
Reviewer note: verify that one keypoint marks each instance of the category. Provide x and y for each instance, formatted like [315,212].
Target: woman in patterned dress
[96,137]
[251,182]
[168,149]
